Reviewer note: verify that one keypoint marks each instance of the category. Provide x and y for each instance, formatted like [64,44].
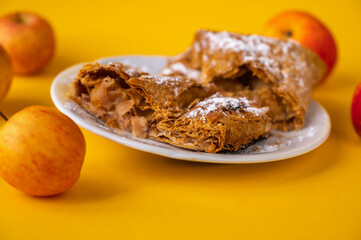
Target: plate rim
[185,154]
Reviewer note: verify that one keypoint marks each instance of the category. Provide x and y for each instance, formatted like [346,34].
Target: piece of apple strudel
[277,73]
[175,110]
[224,92]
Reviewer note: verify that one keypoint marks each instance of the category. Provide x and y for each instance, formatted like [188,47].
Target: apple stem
[3,116]
[289,33]
[18,18]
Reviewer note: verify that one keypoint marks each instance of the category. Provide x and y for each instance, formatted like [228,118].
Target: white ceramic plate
[280,145]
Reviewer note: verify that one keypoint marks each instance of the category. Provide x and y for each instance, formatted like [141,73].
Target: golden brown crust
[291,69]
[102,90]
[224,92]
[218,123]
[169,95]
[160,107]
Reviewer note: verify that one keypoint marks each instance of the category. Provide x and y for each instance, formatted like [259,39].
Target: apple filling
[175,110]
[110,98]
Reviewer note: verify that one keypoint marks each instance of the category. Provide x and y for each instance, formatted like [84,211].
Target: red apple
[356,109]
[309,31]
[6,73]
[28,39]
[41,151]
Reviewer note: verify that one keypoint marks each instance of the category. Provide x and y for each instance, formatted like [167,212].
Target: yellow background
[127,194]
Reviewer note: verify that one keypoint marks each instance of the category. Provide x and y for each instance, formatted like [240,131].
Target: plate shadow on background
[91,190]
[323,158]
[13,105]
[56,65]
[144,166]
[332,97]
[257,174]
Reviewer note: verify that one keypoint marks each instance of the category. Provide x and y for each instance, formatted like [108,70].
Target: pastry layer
[175,110]
[238,62]
[218,123]
[224,92]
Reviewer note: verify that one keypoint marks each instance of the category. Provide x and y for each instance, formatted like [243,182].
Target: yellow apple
[41,151]
[6,73]
[28,39]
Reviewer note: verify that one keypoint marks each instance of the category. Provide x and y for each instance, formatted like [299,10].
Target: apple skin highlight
[29,40]
[6,73]
[356,110]
[309,31]
[41,151]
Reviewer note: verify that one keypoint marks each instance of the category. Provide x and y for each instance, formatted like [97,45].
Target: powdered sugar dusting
[158,79]
[131,71]
[170,80]
[269,52]
[128,69]
[179,67]
[217,101]
[175,82]
[253,47]
[143,68]
[250,43]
